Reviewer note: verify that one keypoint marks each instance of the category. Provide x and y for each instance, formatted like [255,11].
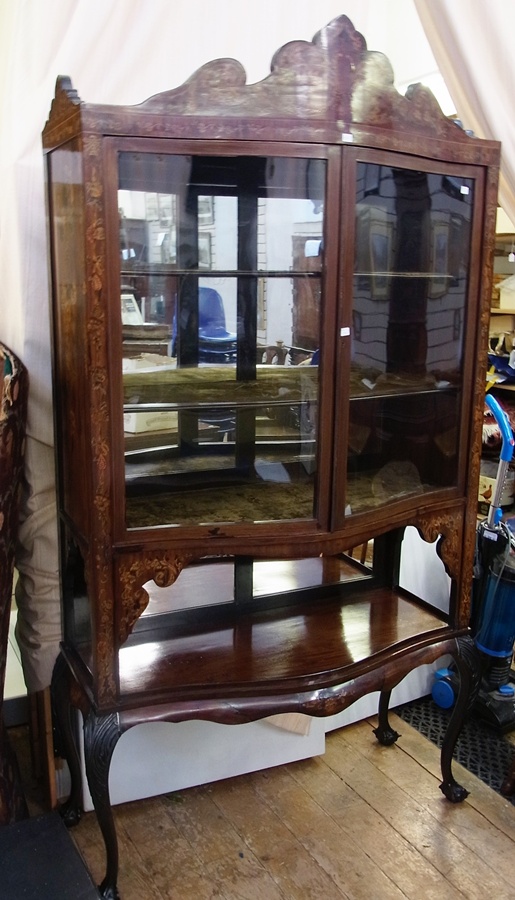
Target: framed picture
[439,272]
[131,313]
[204,251]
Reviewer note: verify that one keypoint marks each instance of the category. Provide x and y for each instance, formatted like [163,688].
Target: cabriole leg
[468,663]
[508,785]
[384,733]
[71,810]
[101,734]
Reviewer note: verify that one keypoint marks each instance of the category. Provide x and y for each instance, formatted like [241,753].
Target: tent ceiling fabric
[473,45]
[121,52]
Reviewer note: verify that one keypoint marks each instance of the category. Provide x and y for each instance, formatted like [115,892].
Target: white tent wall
[473,46]
[121,52]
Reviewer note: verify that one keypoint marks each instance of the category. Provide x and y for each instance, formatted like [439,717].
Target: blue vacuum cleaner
[493,603]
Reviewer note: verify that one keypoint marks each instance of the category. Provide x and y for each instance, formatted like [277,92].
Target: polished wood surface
[318,643]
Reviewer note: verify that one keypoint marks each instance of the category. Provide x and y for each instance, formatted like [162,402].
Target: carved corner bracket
[133,573]
[446,528]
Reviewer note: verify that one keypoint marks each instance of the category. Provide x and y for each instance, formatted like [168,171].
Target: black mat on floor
[480,749]
[39,861]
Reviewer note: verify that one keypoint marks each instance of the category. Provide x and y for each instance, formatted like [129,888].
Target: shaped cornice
[333,79]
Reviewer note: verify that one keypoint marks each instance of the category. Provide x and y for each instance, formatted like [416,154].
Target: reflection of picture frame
[458,247]
[206,212]
[380,244]
[380,256]
[165,203]
[151,207]
[456,326]
[439,258]
[261,307]
[131,313]
[372,179]
[173,244]
[204,251]
[374,247]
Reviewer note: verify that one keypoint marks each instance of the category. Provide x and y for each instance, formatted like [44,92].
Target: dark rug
[39,861]
[480,749]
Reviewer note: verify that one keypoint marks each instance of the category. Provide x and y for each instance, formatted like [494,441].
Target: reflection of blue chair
[216,344]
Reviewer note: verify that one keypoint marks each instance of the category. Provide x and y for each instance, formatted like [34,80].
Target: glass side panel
[220,303]
[238,581]
[409,302]
[66,194]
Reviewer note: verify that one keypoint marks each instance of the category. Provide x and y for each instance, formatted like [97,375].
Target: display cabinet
[270,308]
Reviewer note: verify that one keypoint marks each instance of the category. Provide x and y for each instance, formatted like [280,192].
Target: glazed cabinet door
[220,278]
[410,305]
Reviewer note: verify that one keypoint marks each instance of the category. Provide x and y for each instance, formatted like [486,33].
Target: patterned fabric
[13,416]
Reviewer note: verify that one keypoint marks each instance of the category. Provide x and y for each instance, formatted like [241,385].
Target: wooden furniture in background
[41,738]
[13,419]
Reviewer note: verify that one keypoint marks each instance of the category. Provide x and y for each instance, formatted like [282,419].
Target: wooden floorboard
[361,822]
[452,838]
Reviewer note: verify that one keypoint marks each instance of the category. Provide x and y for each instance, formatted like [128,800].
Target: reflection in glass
[410,288]
[220,284]
[239,580]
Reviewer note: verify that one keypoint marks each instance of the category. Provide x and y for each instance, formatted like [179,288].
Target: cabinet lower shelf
[271,655]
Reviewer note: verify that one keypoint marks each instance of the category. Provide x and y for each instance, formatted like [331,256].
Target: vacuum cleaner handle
[505,458]
[505,428]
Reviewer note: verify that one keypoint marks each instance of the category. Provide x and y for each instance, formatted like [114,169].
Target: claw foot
[454,791]
[108,891]
[70,813]
[386,736]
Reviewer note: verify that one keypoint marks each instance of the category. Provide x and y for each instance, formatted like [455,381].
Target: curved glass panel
[409,299]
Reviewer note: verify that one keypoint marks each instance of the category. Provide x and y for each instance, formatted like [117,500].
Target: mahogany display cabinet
[270,315]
